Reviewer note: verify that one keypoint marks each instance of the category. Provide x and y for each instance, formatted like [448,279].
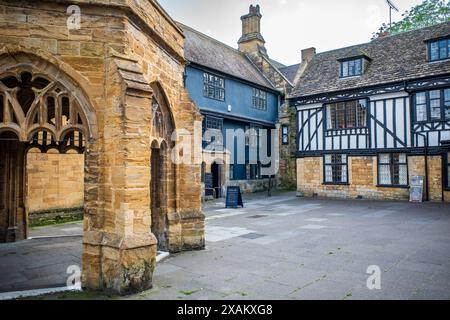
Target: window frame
[347,61]
[285,135]
[325,164]
[438,42]
[327,115]
[259,99]
[391,167]
[208,83]
[427,104]
[209,119]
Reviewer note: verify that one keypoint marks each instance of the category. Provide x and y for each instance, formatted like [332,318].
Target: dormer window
[352,67]
[439,50]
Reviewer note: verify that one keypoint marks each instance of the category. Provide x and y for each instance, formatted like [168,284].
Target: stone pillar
[119,249]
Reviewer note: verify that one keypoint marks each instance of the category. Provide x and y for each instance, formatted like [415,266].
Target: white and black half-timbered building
[373,116]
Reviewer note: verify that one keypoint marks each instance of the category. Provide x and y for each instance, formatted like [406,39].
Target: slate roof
[211,53]
[290,72]
[277,64]
[394,58]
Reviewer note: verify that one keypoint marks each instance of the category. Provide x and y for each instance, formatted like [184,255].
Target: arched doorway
[158,196]
[36,112]
[163,172]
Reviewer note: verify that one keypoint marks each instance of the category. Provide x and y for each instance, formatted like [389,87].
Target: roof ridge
[410,31]
[383,38]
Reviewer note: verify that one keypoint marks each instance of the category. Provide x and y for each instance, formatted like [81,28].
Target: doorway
[217,184]
[158,197]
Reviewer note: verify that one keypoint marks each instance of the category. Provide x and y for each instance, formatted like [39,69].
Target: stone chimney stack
[251,40]
[308,55]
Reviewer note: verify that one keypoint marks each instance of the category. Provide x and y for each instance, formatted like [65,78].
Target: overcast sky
[289,26]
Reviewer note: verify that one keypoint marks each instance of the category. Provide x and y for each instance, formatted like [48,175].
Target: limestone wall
[363,179]
[54,181]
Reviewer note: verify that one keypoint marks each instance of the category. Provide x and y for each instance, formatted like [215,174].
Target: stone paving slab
[279,248]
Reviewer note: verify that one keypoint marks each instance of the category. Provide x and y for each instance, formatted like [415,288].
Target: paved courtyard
[278,248]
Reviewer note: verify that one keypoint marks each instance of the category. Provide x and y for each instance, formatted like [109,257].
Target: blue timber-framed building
[372,117]
[232,94]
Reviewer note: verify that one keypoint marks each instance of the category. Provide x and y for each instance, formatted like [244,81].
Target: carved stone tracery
[42,112]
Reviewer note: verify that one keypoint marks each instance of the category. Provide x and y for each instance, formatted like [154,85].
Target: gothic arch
[37,96]
[162,123]
[41,107]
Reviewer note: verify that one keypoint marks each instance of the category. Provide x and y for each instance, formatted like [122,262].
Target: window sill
[431,121]
[438,60]
[336,184]
[214,98]
[392,186]
[350,77]
[345,129]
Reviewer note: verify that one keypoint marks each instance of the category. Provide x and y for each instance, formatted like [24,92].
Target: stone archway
[36,111]
[158,198]
[163,172]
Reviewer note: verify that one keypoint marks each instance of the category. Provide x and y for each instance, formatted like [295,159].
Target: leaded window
[213,123]
[392,169]
[432,105]
[259,99]
[347,115]
[336,168]
[439,50]
[285,135]
[351,68]
[447,104]
[213,87]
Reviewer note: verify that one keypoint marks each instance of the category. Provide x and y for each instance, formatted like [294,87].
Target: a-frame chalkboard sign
[234,198]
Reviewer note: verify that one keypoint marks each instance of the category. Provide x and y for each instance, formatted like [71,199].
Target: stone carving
[42,112]
[158,128]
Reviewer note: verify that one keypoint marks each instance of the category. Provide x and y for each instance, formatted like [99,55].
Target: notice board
[416,192]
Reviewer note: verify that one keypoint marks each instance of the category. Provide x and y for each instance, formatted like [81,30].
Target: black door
[215,170]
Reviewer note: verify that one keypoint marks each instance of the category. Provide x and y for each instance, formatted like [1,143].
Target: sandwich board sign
[416,192]
[234,198]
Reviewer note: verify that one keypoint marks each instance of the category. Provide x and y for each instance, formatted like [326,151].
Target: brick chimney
[308,55]
[251,40]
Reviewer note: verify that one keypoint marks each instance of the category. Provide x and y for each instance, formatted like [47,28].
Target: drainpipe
[425,138]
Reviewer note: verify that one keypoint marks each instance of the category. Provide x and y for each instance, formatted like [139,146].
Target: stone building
[103,79]
[371,117]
